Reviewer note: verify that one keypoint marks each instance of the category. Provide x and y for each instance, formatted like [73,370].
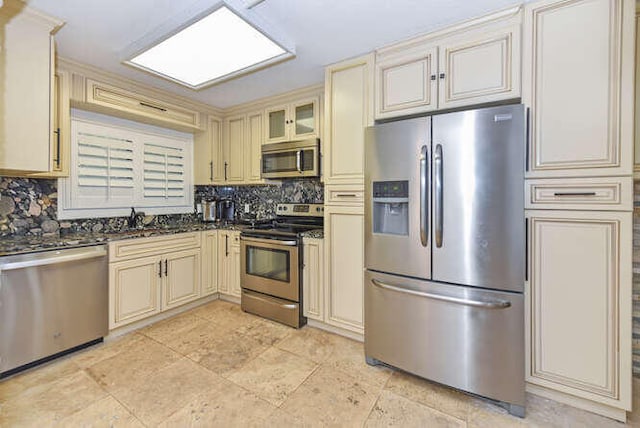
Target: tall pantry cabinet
[348,110]
[578,70]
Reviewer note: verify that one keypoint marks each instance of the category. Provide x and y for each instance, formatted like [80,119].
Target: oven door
[270,266]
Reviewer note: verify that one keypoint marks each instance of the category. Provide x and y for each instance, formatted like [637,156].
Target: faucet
[134,217]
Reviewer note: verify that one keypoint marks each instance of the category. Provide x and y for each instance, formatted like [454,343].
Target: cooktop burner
[292,220]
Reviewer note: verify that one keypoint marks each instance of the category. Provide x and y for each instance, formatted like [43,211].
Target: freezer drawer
[463,337]
[50,302]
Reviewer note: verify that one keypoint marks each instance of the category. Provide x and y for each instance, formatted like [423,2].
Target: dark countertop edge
[13,245]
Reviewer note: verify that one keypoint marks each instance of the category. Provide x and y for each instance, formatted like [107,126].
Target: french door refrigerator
[445,249]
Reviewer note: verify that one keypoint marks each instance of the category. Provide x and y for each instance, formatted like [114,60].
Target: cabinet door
[579,304]
[479,67]
[134,290]
[277,124]
[224,251]
[253,147]
[207,160]
[233,168]
[348,110]
[636,162]
[304,119]
[182,278]
[25,95]
[234,266]
[344,258]
[578,82]
[312,279]
[209,262]
[406,83]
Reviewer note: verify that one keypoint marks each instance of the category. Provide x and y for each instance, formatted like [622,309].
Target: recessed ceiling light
[215,48]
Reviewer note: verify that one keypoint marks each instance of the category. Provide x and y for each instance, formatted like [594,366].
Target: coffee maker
[226,209]
[210,210]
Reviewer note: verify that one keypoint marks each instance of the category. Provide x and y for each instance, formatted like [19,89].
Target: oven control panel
[301,210]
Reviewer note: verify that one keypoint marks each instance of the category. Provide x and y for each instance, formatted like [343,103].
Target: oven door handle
[269,241]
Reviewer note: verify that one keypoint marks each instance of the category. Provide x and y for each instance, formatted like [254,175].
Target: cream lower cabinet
[229,262]
[344,267]
[181,278]
[209,262]
[134,290]
[151,275]
[313,278]
[578,82]
[579,306]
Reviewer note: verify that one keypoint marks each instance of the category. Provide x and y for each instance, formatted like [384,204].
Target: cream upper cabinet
[344,267]
[578,82]
[406,83]
[233,149]
[473,63]
[636,166]
[348,110]
[253,148]
[313,278]
[293,121]
[209,262]
[134,290]
[229,262]
[26,89]
[479,67]
[181,278]
[579,304]
[207,165]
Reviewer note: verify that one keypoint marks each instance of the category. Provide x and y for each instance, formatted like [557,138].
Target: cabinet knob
[433,77]
[442,75]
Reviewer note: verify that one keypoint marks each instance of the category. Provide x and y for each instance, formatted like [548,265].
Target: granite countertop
[18,244]
[317,234]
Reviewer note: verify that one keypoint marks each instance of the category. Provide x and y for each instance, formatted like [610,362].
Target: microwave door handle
[424,196]
[299,161]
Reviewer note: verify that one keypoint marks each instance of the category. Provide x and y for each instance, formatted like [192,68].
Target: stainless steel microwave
[291,159]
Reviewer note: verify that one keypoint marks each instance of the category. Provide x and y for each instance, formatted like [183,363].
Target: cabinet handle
[211,171]
[442,75]
[433,77]
[346,195]
[527,140]
[57,158]
[152,106]
[574,194]
[226,245]
[526,249]
[225,170]
[166,267]
[160,269]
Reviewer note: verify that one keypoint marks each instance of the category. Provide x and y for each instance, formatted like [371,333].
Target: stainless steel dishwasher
[51,302]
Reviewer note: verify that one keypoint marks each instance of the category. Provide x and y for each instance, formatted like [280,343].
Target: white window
[117,164]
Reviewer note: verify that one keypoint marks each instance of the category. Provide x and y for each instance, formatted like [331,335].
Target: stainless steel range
[271,263]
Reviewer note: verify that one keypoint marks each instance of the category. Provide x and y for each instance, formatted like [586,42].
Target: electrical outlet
[246,208]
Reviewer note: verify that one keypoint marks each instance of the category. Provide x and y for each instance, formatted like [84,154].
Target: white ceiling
[98,32]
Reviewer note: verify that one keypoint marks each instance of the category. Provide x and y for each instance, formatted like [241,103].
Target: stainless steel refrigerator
[445,249]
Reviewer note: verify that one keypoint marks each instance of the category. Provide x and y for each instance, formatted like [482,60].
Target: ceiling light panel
[217,47]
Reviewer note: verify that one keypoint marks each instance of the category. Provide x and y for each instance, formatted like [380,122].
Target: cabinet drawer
[133,248]
[104,95]
[344,194]
[607,193]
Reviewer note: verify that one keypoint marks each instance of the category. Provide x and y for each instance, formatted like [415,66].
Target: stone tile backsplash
[29,206]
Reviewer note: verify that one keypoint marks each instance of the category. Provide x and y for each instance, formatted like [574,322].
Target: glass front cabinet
[293,121]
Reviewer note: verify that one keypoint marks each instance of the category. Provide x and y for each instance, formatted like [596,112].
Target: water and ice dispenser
[391,207]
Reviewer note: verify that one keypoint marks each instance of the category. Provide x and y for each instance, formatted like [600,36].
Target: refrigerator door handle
[437,212]
[424,196]
[492,304]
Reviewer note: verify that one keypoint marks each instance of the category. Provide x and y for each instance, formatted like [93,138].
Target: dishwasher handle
[44,259]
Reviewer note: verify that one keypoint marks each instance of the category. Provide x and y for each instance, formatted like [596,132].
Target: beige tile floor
[217,366]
